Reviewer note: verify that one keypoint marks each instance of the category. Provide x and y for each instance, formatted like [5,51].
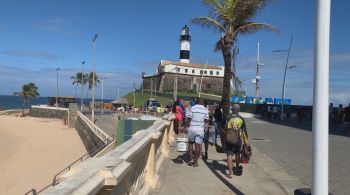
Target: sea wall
[48,112]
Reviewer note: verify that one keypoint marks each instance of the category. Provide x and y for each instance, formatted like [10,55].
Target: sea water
[15,102]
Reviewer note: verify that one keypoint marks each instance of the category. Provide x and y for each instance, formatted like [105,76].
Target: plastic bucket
[181,144]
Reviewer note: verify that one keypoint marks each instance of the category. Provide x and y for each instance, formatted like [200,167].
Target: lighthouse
[185,40]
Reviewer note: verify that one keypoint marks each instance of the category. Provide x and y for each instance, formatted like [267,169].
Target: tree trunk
[226,88]
[76,90]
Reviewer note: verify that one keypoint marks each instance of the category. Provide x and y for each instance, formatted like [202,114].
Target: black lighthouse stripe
[184,54]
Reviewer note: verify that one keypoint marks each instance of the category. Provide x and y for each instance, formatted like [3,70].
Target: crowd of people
[196,119]
[339,116]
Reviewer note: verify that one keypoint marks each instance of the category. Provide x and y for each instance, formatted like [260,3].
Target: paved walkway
[261,176]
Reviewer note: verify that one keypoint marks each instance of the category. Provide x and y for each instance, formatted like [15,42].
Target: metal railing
[98,132]
[106,142]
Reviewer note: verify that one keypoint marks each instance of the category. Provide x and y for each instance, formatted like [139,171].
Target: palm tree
[77,79]
[231,18]
[89,80]
[29,90]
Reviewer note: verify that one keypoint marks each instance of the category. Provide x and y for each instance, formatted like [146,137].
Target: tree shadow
[215,166]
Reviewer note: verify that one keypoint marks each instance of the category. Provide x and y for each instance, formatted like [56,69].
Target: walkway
[177,178]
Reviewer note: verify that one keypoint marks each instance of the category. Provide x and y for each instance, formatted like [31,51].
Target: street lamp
[102,109]
[82,88]
[284,77]
[57,69]
[200,86]
[93,80]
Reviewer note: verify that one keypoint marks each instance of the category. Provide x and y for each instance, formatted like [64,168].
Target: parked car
[151,105]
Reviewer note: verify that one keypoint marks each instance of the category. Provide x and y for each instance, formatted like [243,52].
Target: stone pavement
[260,176]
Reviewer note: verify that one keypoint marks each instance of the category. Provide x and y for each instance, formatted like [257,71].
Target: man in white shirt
[197,118]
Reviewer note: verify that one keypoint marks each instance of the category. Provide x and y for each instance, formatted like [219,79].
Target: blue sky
[38,36]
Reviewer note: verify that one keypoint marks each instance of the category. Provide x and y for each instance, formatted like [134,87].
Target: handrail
[31,191]
[106,142]
[99,133]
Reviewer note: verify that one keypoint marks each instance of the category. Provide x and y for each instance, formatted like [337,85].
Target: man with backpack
[236,135]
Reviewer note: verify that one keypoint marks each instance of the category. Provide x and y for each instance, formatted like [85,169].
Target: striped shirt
[197,113]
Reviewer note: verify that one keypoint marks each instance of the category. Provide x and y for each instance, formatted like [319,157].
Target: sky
[38,36]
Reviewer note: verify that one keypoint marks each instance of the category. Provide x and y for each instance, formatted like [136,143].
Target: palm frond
[209,23]
[253,27]
[245,10]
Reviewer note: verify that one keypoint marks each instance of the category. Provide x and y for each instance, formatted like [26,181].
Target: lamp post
[82,87]
[93,79]
[320,131]
[102,107]
[57,69]
[284,77]
[200,86]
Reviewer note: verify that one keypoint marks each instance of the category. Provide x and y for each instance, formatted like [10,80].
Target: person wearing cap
[236,134]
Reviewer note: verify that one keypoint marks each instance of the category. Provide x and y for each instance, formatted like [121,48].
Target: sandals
[228,175]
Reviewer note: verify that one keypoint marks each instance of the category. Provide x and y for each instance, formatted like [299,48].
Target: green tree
[89,81]
[79,78]
[231,18]
[29,90]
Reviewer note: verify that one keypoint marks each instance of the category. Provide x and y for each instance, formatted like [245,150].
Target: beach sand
[33,150]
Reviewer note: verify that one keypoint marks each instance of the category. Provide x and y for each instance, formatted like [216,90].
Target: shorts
[234,148]
[195,138]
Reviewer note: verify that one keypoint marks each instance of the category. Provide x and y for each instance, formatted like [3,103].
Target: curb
[287,182]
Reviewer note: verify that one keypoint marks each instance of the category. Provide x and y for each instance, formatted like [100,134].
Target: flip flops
[228,175]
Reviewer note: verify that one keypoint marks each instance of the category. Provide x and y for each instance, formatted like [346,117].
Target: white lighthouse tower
[185,40]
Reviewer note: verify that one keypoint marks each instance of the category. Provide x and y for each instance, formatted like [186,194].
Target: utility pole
[320,132]
[134,96]
[93,80]
[257,74]
[151,86]
[118,92]
[82,88]
[284,79]
[175,90]
[155,88]
[200,86]
[102,105]
[57,69]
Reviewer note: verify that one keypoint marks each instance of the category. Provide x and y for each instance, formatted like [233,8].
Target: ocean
[15,102]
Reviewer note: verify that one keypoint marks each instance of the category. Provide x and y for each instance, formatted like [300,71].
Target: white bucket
[181,144]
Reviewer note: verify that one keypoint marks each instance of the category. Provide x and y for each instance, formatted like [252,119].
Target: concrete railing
[131,168]
[97,131]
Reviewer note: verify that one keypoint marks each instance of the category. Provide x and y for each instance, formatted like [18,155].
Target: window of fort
[186,70]
[211,72]
[201,72]
[193,71]
[205,72]
[178,69]
[217,72]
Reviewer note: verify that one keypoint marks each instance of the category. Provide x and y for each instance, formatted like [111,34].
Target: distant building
[191,77]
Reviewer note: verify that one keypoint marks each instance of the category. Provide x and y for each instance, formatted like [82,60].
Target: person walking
[178,117]
[236,134]
[197,119]
[217,124]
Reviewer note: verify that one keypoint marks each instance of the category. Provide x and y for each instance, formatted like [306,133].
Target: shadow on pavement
[180,159]
[215,166]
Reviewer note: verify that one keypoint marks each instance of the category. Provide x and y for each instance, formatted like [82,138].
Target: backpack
[234,129]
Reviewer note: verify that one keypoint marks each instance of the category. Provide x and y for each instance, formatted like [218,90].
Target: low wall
[48,112]
[91,136]
[131,168]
